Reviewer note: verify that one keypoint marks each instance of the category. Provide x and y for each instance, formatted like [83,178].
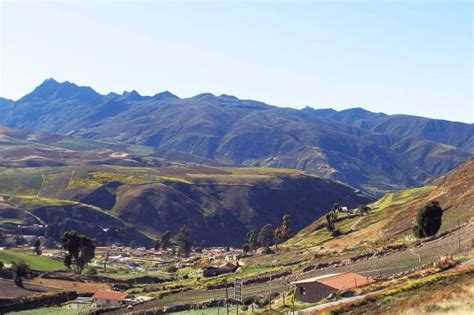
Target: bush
[171,269]
[91,272]
[248,300]
[244,308]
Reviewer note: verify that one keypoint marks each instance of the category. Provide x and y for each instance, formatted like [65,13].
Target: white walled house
[109,298]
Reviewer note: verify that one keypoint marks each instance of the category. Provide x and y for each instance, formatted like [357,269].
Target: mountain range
[374,152]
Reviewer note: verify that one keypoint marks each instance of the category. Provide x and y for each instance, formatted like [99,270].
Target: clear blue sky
[412,57]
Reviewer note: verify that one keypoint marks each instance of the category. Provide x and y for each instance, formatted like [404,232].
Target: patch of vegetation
[78,144]
[41,263]
[135,179]
[20,183]
[83,183]
[32,202]
[105,178]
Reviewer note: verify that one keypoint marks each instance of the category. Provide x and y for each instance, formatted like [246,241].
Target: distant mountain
[404,126]
[371,151]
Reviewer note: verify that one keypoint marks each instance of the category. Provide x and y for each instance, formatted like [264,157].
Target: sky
[412,57]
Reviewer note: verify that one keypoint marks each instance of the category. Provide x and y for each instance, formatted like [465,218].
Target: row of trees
[267,236]
[182,239]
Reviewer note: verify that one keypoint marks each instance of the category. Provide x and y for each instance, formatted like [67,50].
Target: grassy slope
[35,262]
[382,214]
[393,216]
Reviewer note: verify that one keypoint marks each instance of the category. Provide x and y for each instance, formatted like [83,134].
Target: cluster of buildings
[150,260]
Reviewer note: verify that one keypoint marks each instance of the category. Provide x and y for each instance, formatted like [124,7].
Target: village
[121,279]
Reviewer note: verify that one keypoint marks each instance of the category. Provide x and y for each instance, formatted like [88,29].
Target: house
[109,298]
[315,289]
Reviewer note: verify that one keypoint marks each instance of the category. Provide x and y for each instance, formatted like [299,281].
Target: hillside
[117,196]
[393,216]
[373,152]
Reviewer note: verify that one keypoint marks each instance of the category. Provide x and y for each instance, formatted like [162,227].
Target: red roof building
[109,298]
[314,289]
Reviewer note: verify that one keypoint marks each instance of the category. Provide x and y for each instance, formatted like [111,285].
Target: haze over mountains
[371,151]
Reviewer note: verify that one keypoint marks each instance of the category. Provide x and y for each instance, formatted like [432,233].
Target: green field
[35,262]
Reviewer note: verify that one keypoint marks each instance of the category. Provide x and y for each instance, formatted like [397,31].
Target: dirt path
[43,179]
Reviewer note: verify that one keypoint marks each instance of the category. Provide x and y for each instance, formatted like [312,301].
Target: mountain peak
[204,95]
[322,112]
[164,95]
[133,95]
[229,97]
[356,110]
[50,89]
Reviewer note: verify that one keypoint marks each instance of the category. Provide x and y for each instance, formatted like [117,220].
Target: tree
[183,240]
[106,259]
[250,241]
[363,209]
[80,250]
[86,253]
[2,238]
[282,232]
[20,270]
[37,247]
[331,219]
[265,236]
[330,222]
[428,220]
[163,242]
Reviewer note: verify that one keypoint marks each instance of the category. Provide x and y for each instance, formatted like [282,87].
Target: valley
[178,199]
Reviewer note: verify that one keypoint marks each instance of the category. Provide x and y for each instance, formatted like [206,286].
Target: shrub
[248,300]
[91,272]
[171,269]
[244,308]
[428,220]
